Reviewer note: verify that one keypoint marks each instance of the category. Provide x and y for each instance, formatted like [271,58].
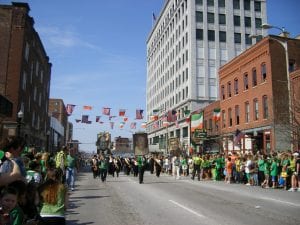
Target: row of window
[233,118]
[236,4]
[246,83]
[211,36]
[222,19]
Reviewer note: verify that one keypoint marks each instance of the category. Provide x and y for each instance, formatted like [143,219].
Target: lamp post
[285,46]
[20,116]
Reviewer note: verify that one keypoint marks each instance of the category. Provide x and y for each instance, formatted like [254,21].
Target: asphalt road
[165,201]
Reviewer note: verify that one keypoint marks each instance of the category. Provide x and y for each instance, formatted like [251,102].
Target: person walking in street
[103,166]
[61,161]
[141,161]
[95,166]
[71,169]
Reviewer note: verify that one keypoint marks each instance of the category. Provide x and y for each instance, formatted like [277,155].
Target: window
[265,107]
[236,4]
[222,36]
[236,86]
[222,19]
[248,40]
[237,38]
[263,72]
[247,110]
[223,92]
[223,119]
[199,34]
[246,81]
[185,132]
[199,2]
[210,17]
[237,21]
[247,21]
[221,3]
[230,117]
[237,115]
[246,4]
[210,2]
[211,35]
[229,89]
[292,66]
[254,77]
[199,17]
[255,108]
[258,23]
[257,6]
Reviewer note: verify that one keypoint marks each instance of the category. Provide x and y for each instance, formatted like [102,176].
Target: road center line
[187,209]
[284,202]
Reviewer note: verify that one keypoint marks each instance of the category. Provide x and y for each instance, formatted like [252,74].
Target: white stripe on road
[187,209]
[284,202]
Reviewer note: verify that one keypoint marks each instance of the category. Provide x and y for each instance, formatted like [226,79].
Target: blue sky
[98,52]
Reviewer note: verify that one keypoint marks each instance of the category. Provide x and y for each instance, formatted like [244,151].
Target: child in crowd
[8,201]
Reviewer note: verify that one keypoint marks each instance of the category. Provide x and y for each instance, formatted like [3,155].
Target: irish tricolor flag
[217,114]
[196,121]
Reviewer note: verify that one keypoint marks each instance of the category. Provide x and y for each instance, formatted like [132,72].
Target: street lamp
[20,116]
[285,46]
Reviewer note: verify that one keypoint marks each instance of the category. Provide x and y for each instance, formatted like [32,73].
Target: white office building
[189,41]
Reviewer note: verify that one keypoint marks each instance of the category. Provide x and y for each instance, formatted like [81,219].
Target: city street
[165,200]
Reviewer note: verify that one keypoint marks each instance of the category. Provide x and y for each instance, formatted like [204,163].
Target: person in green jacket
[219,163]
[103,166]
[274,172]
[261,169]
[141,160]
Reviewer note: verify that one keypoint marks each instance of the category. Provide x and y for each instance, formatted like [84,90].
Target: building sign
[173,144]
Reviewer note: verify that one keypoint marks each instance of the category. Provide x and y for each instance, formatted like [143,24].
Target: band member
[127,165]
[94,166]
[118,165]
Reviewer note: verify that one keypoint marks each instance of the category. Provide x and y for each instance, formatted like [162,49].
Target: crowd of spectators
[33,185]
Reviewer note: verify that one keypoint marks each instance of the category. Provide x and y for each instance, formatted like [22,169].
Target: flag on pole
[106,111]
[110,117]
[196,121]
[122,124]
[70,109]
[155,125]
[143,125]
[217,114]
[133,125]
[187,113]
[171,117]
[87,107]
[122,112]
[84,119]
[139,114]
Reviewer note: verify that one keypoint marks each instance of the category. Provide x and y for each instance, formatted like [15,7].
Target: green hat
[1,154]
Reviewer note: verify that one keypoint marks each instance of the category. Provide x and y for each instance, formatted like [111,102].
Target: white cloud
[55,37]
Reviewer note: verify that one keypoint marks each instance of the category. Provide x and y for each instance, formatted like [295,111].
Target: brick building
[25,73]
[295,88]
[254,97]
[57,112]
